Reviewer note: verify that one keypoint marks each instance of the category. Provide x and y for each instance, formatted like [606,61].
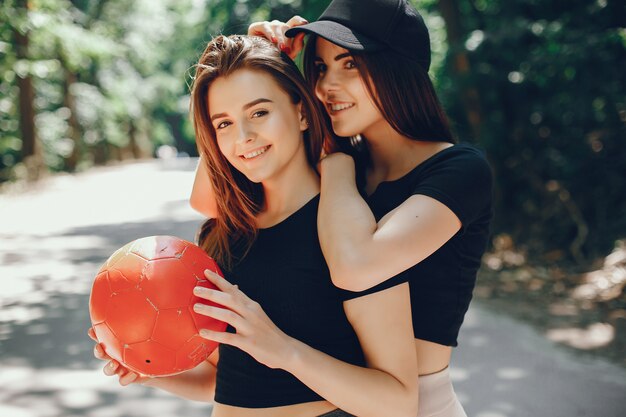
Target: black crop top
[441,285]
[286,273]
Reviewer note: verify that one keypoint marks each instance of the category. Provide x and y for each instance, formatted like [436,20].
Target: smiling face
[257,126]
[342,91]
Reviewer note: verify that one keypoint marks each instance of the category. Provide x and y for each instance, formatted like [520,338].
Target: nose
[325,85]
[246,134]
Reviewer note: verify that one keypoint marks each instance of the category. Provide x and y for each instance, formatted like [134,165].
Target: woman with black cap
[409,204]
[423,204]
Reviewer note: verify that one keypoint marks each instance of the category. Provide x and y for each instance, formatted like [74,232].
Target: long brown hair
[239,199]
[401,90]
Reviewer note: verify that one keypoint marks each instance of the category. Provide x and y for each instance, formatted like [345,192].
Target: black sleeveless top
[286,273]
[441,285]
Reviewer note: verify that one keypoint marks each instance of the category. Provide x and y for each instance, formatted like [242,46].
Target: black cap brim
[338,34]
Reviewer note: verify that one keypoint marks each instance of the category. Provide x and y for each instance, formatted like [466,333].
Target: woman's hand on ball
[113,367]
[256,333]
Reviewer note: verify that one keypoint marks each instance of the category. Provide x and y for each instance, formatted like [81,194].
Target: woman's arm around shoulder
[362,252]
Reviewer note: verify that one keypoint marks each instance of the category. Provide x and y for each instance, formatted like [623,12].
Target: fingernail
[274,40]
[197,307]
[198,290]
[281,46]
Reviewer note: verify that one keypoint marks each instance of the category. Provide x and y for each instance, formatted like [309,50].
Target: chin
[255,179]
[344,131]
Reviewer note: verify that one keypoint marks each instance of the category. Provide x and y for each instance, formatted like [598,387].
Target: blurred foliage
[110,76]
[552,94]
[538,84]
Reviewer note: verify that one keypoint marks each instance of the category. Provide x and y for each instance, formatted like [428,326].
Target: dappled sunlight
[592,337]
[578,309]
[511,373]
[504,254]
[9,410]
[516,372]
[47,368]
[491,414]
[608,282]
[54,238]
[60,392]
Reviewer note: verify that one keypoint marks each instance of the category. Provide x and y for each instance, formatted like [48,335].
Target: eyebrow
[337,58]
[245,107]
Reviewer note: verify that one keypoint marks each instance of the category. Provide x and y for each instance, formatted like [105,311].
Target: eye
[320,67]
[222,125]
[350,64]
[259,113]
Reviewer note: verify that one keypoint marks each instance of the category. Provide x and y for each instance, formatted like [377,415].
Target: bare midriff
[311,409]
[431,357]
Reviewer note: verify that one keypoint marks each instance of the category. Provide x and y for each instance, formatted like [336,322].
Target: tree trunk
[74,130]
[132,141]
[461,64]
[31,152]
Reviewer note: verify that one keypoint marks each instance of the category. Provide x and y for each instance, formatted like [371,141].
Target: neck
[288,191]
[393,154]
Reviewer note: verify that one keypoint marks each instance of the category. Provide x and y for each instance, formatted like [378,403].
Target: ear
[304,124]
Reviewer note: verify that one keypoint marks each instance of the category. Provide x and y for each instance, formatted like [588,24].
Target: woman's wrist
[291,356]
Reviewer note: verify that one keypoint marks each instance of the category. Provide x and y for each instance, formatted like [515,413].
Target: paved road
[53,239]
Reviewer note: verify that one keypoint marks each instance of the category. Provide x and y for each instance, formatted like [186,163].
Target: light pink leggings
[437,397]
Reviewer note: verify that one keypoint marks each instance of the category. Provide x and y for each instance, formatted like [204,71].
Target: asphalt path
[54,237]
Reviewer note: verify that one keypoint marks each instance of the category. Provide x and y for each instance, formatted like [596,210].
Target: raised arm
[202,198]
[362,252]
[382,322]
[274,31]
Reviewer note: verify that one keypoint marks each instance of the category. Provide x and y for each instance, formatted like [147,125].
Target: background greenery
[539,84]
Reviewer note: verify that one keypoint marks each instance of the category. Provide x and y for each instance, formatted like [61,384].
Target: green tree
[552,95]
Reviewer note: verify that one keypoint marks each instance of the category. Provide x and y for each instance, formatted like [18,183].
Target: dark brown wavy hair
[239,199]
[401,90]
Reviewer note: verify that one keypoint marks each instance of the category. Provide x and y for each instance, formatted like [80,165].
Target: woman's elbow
[201,206]
[348,274]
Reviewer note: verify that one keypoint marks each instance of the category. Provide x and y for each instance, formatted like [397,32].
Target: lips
[255,153]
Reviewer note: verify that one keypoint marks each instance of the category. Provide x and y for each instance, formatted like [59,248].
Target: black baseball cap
[371,26]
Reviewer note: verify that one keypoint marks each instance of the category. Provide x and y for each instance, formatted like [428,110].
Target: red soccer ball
[141,306]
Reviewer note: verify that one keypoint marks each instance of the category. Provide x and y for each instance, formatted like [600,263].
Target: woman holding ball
[296,345]
[410,205]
